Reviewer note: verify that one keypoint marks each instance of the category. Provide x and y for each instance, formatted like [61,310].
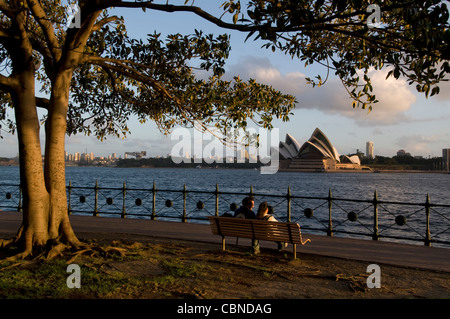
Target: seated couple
[245,211]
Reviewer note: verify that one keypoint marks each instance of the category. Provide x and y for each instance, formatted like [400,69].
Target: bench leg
[295,250]
[223,242]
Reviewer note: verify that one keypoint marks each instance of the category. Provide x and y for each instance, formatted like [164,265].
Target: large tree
[95,77]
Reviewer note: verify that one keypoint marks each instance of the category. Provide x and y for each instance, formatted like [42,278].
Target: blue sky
[403,119]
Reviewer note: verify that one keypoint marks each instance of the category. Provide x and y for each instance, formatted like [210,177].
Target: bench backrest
[258,229]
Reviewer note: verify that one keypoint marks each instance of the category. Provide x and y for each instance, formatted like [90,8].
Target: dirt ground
[204,271]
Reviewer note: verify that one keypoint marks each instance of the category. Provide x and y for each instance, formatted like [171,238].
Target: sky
[403,118]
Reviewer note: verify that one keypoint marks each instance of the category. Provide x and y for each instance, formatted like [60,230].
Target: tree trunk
[54,168]
[45,216]
[36,204]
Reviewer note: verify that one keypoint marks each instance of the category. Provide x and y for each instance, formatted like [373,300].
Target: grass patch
[48,279]
[144,271]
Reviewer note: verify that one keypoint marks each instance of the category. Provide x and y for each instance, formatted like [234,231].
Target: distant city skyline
[369,150]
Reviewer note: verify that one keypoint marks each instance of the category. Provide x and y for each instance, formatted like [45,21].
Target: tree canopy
[118,76]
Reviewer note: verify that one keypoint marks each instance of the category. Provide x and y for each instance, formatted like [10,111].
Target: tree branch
[42,102]
[77,38]
[40,47]
[47,28]
[8,82]
[104,21]
[121,68]
[302,25]
[182,8]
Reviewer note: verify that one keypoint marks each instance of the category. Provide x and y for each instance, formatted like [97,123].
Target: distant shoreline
[367,171]
[253,167]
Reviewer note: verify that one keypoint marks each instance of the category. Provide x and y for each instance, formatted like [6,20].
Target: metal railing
[424,222]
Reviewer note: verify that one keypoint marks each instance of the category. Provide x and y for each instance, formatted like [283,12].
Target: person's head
[248,202]
[263,209]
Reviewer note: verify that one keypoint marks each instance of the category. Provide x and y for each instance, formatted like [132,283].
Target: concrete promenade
[378,252]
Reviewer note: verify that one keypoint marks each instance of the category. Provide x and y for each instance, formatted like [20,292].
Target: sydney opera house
[315,155]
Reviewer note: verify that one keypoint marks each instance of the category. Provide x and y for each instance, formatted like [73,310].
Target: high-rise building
[446,159]
[369,150]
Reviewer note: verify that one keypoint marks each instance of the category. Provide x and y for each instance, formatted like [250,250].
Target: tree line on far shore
[403,162]
[189,163]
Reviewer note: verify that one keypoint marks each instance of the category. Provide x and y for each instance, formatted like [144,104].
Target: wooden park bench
[257,229]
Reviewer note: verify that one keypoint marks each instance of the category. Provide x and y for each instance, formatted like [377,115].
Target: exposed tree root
[95,250]
[60,249]
[6,242]
[357,283]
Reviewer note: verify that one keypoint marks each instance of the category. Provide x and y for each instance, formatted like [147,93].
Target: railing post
[96,198]
[330,206]
[288,197]
[375,235]
[217,200]
[184,204]
[124,191]
[69,206]
[427,212]
[251,191]
[154,202]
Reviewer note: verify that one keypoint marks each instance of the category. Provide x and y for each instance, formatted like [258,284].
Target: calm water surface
[411,187]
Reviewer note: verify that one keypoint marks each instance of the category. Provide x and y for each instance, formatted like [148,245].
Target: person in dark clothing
[245,211]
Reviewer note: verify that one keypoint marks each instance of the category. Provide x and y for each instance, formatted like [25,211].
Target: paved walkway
[380,252]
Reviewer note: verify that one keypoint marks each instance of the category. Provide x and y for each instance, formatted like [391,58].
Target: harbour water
[407,187]
[390,187]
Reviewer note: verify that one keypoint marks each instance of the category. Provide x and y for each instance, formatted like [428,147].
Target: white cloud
[420,144]
[395,96]
[262,70]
